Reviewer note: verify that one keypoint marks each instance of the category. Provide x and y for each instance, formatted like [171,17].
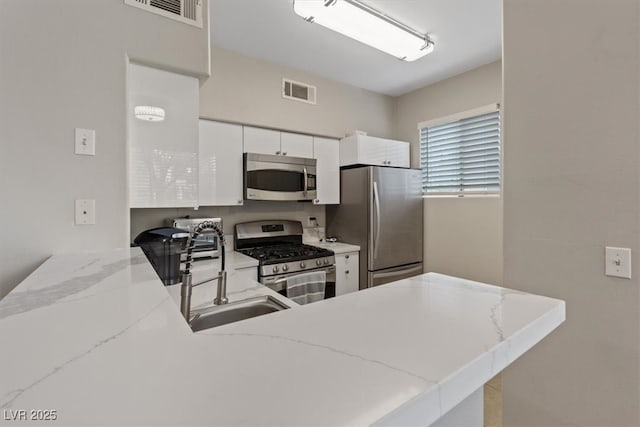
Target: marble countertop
[98,339]
[337,247]
[234,260]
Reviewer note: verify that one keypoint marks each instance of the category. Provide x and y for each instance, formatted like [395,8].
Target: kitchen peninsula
[96,338]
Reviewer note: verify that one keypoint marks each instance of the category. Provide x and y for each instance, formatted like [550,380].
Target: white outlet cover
[85,142]
[85,212]
[617,262]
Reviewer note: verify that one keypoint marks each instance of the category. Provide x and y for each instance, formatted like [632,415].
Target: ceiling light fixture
[149,113]
[366,25]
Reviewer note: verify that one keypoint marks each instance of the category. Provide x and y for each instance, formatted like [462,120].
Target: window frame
[485,109]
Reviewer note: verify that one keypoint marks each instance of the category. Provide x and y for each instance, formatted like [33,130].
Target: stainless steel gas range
[277,245]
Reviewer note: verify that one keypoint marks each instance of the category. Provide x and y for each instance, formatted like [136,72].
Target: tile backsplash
[144,219]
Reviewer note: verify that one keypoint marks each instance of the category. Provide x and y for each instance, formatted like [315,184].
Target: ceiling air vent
[298,91]
[186,11]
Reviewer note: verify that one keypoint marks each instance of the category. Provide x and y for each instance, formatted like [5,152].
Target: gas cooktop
[274,254]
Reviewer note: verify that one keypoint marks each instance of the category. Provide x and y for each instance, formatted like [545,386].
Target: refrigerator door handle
[399,272]
[376,203]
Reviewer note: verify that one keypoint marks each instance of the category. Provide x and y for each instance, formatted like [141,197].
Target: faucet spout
[187,285]
[221,298]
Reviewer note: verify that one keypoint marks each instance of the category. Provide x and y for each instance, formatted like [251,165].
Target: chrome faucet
[187,285]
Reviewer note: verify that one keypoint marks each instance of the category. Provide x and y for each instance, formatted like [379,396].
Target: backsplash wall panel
[144,219]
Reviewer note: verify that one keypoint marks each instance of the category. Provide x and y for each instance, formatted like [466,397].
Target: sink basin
[211,317]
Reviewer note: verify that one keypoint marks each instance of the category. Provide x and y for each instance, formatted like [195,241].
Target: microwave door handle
[306,179]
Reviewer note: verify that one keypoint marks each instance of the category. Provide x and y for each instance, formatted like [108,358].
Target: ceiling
[467,33]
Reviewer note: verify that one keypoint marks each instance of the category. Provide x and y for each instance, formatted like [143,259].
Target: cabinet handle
[239,202]
[277,152]
[346,272]
[284,153]
[346,257]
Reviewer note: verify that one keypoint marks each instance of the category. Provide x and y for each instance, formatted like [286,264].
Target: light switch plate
[618,262]
[85,142]
[85,212]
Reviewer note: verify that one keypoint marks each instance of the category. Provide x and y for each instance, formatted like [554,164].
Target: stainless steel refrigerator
[381,210]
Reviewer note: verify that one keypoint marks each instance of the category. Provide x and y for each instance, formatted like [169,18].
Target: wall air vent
[298,91]
[186,11]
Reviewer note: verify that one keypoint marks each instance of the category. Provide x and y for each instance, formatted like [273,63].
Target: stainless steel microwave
[272,177]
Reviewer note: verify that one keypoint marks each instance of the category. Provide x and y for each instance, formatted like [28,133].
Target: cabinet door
[372,151]
[296,145]
[398,154]
[347,266]
[327,153]
[263,141]
[163,155]
[220,158]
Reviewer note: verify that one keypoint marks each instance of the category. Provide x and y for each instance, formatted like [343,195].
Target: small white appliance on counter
[207,244]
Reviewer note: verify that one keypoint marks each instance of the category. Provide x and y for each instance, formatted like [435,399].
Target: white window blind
[461,156]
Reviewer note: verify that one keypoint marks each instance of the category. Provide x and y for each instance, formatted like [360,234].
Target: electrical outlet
[618,262]
[312,221]
[85,142]
[85,212]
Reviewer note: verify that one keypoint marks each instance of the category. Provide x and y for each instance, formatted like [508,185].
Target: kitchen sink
[219,315]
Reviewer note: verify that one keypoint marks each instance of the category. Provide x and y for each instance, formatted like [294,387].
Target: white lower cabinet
[220,159]
[249,273]
[347,268]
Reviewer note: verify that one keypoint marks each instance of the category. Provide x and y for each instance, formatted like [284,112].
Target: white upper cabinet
[220,164]
[162,155]
[263,141]
[296,145]
[369,150]
[327,153]
[268,141]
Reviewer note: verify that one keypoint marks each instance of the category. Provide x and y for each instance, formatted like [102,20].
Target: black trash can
[163,247]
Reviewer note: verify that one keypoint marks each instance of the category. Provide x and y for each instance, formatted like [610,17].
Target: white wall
[463,236]
[248,90]
[572,152]
[63,66]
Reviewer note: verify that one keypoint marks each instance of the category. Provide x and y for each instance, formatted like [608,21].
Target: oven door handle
[306,179]
[284,279]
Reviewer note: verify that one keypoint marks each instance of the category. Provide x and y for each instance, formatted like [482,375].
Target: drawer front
[347,273]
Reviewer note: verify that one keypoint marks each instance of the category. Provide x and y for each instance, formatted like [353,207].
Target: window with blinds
[461,156]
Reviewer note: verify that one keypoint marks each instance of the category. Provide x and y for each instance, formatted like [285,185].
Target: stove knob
[318,262]
[275,269]
[326,261]
[302,265]
[285,267]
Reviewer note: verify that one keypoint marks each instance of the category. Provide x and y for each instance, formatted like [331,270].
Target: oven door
[269,177]
[279,283]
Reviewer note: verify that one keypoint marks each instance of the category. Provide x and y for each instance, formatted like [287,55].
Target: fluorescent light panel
[366,25]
